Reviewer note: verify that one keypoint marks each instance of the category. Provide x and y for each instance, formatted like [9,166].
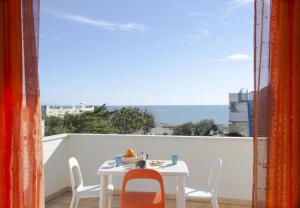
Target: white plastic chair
[80,191]
[213,183]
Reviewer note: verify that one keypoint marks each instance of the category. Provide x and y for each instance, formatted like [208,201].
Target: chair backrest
[143,174]
[74,168]
[214,176]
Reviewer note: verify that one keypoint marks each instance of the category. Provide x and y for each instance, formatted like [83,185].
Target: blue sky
[145,52]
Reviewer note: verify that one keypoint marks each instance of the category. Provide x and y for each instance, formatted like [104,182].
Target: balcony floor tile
[63,201]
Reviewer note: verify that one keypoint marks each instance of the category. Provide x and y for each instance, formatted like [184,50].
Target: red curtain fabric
[277,104]
[21,164]
[261,100]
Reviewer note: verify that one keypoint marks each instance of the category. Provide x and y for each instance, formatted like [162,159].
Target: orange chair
[133,199]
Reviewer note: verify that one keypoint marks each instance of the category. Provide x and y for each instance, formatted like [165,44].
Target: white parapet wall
[55,163]
[92,150]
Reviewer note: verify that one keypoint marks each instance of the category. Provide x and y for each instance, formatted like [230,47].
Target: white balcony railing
[198,152]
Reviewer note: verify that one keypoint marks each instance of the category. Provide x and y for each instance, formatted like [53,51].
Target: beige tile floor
[63,201]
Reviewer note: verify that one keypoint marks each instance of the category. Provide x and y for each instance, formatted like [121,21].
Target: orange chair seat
[143,199]
[135,199]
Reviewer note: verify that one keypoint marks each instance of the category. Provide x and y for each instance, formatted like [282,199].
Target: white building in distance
[241,113]
[61,110]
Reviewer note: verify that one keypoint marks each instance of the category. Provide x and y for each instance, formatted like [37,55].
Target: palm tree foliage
[130,120]
[206,127]
[101,121]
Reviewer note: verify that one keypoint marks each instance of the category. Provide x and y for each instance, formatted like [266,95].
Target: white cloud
[107,25]
[239,56]
[200,33]
[234,4]
[235,57]
[192,11]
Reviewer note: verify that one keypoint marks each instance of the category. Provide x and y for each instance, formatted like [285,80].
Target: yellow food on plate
[130,153]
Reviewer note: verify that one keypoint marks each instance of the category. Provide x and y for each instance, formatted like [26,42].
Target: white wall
[198,152]
[241,115]
[242,108]
[55,166]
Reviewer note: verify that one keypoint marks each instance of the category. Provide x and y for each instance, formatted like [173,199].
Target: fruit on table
[130,153]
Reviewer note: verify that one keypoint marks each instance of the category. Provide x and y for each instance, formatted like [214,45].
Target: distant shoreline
[174,115]
[135,105]
[160,105]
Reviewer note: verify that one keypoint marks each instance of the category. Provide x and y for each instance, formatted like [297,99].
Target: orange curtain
[21,164]
[277,104]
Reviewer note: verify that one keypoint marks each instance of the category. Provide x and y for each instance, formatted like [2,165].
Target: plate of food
[130,157]
[156,163]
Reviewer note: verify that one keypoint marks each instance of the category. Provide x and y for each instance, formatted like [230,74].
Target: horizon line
[137,104]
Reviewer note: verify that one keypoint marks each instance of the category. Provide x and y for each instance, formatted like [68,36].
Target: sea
[179,114]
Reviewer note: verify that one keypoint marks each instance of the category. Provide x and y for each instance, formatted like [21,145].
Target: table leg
[180,195]
[104,192]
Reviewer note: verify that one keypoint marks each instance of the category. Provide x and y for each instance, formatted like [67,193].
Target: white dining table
[179,171]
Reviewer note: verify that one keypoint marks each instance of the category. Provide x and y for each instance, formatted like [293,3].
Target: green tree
[130,120]
[96,122]
[148,122]
[186,129]
[101,121]
[206,127]
[54,125]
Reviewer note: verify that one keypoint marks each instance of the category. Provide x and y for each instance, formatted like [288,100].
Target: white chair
[213,183]
[81,191]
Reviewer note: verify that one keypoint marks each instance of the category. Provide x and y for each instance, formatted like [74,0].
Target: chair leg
[214,202]
[76,203]
[73,201]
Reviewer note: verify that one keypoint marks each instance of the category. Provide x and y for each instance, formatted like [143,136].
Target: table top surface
[165,169]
